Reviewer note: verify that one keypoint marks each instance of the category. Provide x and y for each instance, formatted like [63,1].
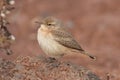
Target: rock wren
[55,40]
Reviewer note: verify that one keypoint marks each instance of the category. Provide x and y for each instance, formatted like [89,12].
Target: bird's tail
[87,54]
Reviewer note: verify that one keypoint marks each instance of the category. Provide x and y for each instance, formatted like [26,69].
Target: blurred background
[94,23]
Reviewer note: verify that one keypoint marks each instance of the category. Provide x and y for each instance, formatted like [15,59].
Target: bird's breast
[48,44]
[44,37]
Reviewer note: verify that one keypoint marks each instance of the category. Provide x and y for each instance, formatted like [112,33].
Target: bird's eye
[49,24]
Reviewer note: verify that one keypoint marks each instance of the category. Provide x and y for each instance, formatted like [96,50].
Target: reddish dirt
[95,25]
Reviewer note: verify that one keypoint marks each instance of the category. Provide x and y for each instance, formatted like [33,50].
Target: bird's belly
[50,46]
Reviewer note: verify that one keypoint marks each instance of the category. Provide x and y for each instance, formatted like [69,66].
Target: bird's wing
[65,38]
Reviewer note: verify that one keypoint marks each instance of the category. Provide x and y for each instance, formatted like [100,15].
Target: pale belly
[50,46]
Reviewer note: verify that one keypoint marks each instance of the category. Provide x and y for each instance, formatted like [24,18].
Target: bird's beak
[38,24]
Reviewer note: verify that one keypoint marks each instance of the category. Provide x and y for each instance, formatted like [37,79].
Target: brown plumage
[66,39]
[55,40]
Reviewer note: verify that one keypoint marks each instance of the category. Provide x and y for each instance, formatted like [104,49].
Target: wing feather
[66,39]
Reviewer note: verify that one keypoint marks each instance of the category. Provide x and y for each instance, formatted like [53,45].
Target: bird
[55,40]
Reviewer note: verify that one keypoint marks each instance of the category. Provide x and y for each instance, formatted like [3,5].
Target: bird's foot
[51,60]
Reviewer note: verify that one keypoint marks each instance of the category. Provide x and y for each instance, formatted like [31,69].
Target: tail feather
[92,57]
[87,54]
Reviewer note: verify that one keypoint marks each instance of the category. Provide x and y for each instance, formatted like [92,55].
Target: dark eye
[49,24]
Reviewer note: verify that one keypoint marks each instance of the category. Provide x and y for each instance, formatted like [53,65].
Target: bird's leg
[51,59]
[53,63]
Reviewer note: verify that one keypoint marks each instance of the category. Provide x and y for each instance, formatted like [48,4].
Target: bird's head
[49,22]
